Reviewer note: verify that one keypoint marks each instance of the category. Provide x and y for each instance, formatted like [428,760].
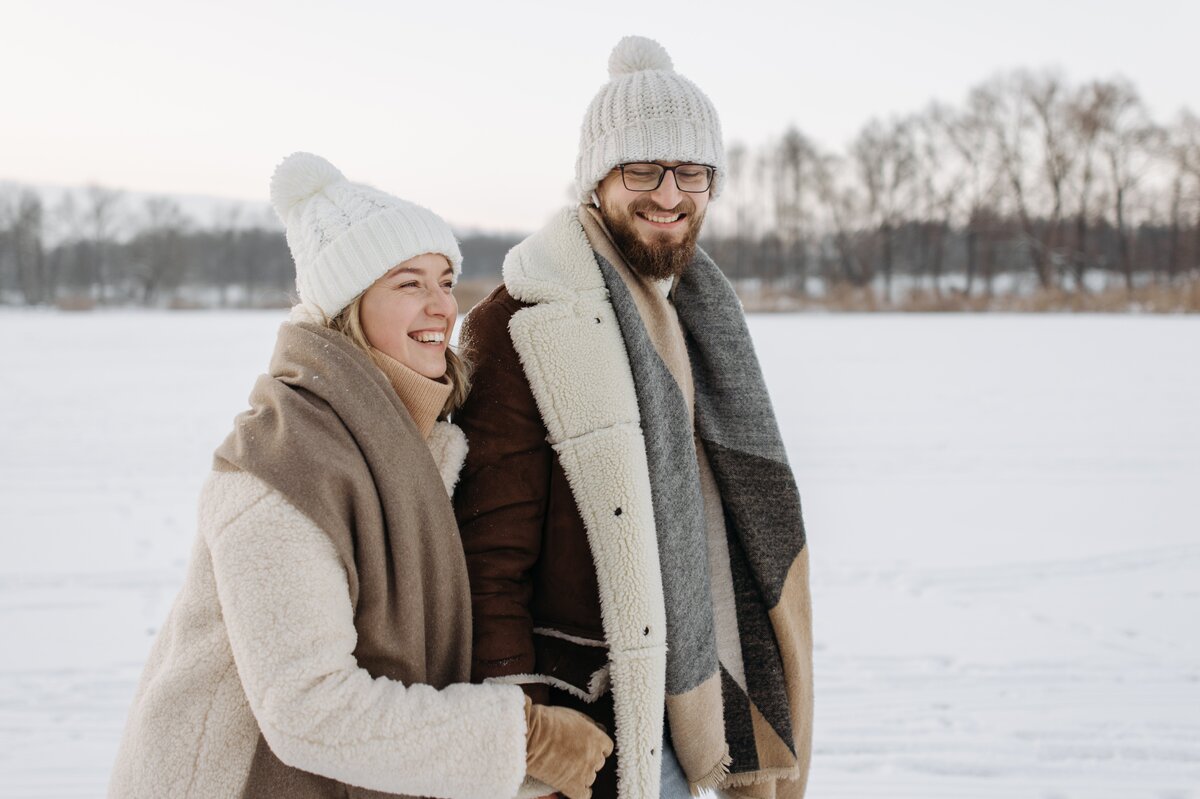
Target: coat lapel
[574,358]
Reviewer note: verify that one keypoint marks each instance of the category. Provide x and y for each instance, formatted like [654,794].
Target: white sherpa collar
[554,264]
[448,445]
[571,349]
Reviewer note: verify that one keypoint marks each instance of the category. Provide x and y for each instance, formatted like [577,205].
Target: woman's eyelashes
[446,285]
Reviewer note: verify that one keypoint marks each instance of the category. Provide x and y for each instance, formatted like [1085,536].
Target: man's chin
[652,251]
[658,245]
[660,260]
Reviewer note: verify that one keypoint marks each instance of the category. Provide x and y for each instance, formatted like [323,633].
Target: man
[632,528]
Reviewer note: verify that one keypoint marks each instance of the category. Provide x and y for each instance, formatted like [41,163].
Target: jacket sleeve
[286,605]
[502,495]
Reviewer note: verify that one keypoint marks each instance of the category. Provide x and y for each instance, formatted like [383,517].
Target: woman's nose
[442,303]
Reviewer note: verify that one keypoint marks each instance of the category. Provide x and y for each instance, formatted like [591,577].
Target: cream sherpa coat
[260,642]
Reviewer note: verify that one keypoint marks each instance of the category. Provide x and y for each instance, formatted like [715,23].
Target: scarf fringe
[713,779]
[761,775]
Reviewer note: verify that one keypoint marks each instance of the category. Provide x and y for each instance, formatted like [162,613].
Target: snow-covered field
[1004,518]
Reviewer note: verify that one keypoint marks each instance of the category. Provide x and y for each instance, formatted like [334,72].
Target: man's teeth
[663,220]
[429,338]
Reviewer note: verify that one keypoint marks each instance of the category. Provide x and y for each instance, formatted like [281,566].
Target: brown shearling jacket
[528,556]
[527,550]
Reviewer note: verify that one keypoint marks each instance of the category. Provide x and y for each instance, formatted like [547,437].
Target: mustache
[686,205]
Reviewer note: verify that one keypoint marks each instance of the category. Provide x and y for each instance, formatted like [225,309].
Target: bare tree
[939,175]
[1004,104]
[886,162]
[1127,141]
[739,186]
[1182,150]
[1088,110]
[22,250]
[795,165]
[843,209]
[100,214]
[7,268]
[971,147]
[1048,97]
[222,259]
[157,251]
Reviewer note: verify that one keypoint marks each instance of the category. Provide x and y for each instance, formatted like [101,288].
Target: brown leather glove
[564,748]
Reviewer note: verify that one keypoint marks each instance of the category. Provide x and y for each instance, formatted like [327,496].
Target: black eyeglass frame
[712,173]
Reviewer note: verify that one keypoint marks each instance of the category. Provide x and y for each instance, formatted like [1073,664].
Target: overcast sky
[473,108]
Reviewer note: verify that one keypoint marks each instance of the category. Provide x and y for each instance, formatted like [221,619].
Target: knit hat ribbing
[646,112]
[344,236]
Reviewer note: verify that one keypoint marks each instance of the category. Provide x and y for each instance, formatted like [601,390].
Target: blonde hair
[348,322]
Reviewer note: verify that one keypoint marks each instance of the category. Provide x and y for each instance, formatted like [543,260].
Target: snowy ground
[1003,517]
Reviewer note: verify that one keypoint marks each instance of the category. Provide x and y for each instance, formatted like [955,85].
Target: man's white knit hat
[344,236]
[646,112]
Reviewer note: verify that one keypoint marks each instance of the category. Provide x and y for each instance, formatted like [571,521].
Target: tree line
[1032,183]
[101,246]
[1070,186]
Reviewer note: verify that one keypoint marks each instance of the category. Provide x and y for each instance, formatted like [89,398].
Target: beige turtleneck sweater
[423,396]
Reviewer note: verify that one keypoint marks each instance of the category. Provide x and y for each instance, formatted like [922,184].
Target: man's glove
[564,748]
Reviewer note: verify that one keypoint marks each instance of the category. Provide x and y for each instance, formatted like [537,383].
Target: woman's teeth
[428,338]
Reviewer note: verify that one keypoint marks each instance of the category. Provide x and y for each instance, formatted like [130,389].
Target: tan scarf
[328,430]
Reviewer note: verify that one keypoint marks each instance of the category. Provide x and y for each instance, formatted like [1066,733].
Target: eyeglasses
[648,176]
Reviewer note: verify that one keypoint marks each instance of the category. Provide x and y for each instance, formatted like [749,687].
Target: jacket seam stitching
[204,729]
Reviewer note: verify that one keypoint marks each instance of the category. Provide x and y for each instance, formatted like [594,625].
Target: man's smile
[663,221]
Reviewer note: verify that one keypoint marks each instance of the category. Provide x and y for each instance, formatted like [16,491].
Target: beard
[662,256]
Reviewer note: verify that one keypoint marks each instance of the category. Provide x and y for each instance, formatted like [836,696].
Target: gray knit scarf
[735,424]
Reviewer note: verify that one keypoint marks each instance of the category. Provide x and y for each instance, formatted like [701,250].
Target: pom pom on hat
[636,54]
[298,177]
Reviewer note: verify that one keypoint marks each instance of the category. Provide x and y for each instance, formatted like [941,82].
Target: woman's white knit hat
[344,236]
[646,112]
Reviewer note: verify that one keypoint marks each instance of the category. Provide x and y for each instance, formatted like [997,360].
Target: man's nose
[667,195]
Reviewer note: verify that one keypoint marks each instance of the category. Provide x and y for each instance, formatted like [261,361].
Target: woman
[321,642]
